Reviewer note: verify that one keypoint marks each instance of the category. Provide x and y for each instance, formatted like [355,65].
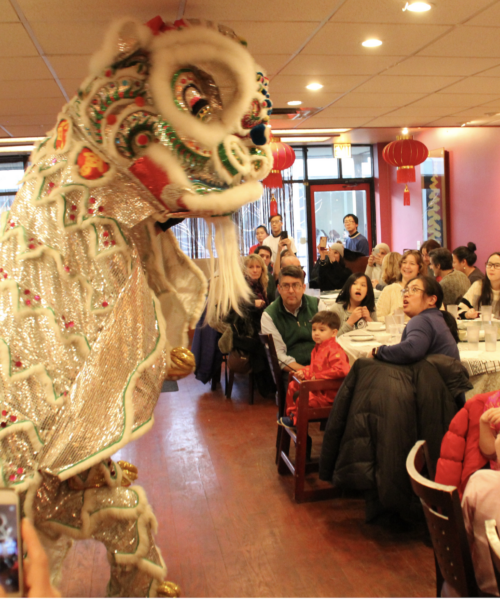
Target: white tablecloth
[483,367]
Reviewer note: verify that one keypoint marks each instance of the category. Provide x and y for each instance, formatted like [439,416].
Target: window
[321,164]
[360,163]
[11,172]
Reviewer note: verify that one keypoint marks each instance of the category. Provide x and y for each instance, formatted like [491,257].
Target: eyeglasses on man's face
[291,286]
[490,265]
[411,291]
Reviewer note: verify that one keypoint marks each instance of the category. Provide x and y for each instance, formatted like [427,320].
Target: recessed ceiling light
[417,6]
[404,131]
[294,103]
[291,140]
[314,86]
[373,43]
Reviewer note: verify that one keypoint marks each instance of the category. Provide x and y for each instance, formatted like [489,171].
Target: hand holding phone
[11,554]
[322,242]
[284,235]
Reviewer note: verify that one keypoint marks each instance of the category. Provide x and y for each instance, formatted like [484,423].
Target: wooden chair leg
[229,386]
[251,387]
[284,447]
[216,379]
[278,443]
[300,459]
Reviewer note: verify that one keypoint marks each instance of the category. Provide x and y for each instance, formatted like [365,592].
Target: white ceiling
[440,68]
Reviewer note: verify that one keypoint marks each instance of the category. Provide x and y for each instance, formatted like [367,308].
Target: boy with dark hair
[328,361]
[355,242]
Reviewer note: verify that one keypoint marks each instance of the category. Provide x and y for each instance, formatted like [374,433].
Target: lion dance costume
[96,297]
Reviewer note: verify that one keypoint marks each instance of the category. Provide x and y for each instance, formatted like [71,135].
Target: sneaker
[286,422]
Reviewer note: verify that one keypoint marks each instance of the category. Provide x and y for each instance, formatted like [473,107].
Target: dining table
[483,367]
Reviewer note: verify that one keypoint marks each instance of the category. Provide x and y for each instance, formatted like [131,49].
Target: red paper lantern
[283,158]
[405,154]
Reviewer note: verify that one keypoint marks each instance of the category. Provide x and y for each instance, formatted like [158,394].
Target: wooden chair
[443,514]
[301,467]
[229,377]
[272,357]
[494,543]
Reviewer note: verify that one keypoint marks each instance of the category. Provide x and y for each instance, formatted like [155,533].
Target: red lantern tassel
[273,208]
[406,196]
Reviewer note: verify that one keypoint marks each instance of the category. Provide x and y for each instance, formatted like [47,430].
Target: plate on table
[377,326]
[362,337]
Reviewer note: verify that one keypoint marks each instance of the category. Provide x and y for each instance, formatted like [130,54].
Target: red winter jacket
[460,456]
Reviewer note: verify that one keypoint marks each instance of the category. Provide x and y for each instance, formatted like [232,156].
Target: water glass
[453,310]
[394,331]
[389,320]
[490,337]
[473,337]
[399,318]
[486,313]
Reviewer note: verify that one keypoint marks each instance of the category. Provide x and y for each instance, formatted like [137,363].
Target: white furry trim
[126,27]
[199,45]
[228,288]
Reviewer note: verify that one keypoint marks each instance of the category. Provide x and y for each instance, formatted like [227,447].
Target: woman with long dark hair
[464,258]
[355,304]
[484,292]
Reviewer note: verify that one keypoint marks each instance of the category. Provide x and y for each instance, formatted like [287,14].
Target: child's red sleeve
[337,368]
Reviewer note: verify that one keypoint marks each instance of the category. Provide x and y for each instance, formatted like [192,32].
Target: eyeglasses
[291,286]
[492,265]
[411,291]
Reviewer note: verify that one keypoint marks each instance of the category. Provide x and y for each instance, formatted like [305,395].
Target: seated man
[288,320]
[454,283]
[266,253]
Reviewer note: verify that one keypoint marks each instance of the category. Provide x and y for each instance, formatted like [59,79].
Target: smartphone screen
[284,235]
[10,534]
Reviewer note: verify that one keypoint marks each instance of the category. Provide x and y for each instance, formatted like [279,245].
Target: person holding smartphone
[374,267]
[278,239]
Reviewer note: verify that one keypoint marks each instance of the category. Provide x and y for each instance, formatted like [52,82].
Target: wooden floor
[227,524]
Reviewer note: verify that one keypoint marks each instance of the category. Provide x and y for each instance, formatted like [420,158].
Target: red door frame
[340,187]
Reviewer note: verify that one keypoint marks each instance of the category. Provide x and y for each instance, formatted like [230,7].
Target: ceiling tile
[334,122]
[79,37]
[277,10]
[14,41]
[455,100]
[345,39]
[476,85]
[445,122]
[388,121]
[466,41]
[308,99]
[36,88]
[71,86]
[48,120]
[23,68]
[487,18]
[271,63]
[442,66]
[351,111]
[26,106]
[339,65]
[406,84]
[28,130]
[7,13]
[71,66]
[276,38]
[389,11]
[478,112]
[495,72]
[331,83]
[97,10]
[376,100]
[414,110]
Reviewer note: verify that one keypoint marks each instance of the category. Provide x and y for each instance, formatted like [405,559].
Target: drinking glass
[393,330]
[490,337]
[399,318]
[389,320]
[453,310]
[486,313]
[473,337]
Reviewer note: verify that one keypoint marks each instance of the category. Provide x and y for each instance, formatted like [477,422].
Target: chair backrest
[272,357]
[358,265]
[494,543]
[443,514]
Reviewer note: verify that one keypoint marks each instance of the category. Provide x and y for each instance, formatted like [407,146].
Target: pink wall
[474,192]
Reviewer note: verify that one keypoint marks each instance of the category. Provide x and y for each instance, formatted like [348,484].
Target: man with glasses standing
[356,242]
[288,320]
[275,241]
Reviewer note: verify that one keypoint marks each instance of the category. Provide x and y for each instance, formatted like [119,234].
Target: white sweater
[390,299]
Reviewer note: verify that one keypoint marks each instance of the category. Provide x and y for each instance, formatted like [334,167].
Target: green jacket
[295,331]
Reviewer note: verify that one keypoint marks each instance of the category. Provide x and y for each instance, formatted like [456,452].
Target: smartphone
[322,242]
[284,235]
[376,250]
[11,555]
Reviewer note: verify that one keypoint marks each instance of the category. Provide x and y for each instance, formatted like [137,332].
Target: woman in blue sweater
[429,331]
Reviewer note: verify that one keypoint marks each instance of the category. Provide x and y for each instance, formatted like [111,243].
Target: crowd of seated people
[401,391]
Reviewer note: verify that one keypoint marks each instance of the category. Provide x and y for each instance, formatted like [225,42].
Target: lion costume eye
[195,91]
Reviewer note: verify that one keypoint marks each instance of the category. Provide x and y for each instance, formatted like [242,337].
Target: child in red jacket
[328,361]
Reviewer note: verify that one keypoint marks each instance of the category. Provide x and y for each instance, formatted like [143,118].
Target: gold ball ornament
[183,363]
[168,589]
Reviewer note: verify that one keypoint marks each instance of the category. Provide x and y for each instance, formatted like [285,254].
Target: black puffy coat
[379,413]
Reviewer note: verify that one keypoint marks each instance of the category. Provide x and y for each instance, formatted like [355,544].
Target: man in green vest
[288,320]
